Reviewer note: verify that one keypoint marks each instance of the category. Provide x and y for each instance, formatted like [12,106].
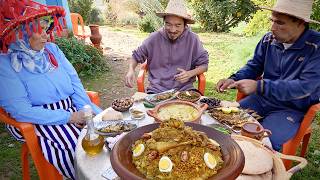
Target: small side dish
[136,113]
[116,128]
[211,102]
[190,96]
[122,104]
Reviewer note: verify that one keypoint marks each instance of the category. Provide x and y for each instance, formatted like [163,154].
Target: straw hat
[177,8]
[298,8]
[17,13]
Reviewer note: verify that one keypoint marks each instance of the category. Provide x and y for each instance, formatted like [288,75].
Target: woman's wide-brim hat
[17,13]
[301,9]
[177,8]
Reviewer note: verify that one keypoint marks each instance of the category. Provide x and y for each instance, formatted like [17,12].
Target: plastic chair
[75,19]
[44,168]
[144,70]
[303,134]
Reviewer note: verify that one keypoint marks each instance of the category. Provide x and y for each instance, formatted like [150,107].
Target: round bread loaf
[257,160]
[265,176]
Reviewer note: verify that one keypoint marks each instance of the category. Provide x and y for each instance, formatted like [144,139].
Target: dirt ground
[118,47]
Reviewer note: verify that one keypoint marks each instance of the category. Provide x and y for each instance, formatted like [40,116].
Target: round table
[92,167]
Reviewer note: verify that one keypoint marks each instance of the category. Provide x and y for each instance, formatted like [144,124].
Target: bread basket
[279,172]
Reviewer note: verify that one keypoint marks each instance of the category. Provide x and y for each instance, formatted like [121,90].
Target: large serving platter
[121,157]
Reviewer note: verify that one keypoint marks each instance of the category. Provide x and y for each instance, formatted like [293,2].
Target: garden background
[228,29]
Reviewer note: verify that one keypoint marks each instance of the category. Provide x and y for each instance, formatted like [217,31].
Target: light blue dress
[47,100]
[23,94]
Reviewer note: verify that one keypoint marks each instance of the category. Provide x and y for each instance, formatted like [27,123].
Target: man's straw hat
[298,8]
[177,8]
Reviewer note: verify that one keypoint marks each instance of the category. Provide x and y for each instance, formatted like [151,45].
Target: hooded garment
[164,57]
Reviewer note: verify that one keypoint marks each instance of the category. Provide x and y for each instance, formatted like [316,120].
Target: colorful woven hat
[17,13]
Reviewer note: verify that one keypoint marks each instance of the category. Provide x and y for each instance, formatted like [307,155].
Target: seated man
[288,60]
[174,54]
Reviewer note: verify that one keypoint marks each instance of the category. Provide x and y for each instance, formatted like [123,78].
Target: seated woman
[40,86]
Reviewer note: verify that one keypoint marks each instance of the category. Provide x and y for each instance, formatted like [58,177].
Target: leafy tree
[221,15]
[260,21]
[83,7]
[315,15]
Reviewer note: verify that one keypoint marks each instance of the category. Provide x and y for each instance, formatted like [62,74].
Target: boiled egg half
[210,160]
[138,150]
[165,164]
[214,142]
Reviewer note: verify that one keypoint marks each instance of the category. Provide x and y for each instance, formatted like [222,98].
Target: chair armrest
[201,83]
[309,116]
[94,97]
[141,75]
[28,132]
[240,96]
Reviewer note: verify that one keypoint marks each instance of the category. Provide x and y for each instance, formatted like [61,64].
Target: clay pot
[254,131]
[154,112]
[95,35]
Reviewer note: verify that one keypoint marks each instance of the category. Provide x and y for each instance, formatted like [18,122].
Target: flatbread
[257,160]
[139,96]
[229,104]
[111,114]
[265,176]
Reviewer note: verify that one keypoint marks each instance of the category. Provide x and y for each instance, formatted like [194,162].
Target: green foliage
[95,17]
[129,19]
[315,15]
[164,3]
[260,21]
[146,24]
[83,7]
[221,15]
[122,12]
[150,21]
[87,60]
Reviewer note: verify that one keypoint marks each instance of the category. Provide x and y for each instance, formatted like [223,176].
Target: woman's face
[37,41]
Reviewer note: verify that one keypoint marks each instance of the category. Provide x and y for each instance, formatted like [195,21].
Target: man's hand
[246,86]
[224,84]
[183,76]
[130,78]
[78,119]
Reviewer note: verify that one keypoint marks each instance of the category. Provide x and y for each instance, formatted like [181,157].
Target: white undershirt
[286,45]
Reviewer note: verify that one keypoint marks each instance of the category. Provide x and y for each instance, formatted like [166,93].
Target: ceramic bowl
[232,155]
[190,96]
[200,108]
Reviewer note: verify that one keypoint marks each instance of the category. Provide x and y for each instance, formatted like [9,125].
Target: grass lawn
[228,52]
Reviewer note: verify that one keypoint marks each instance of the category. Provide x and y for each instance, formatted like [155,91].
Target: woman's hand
[78,119]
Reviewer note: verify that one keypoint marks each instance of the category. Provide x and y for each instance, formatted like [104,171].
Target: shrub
[87,60]
[129,19]
[83,7]
[315,15]
[260,21]
[150,21]
[221,15]
[146,24]
[95,17]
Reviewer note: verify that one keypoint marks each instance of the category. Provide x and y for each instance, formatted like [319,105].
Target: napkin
[139,96]
[113,140]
